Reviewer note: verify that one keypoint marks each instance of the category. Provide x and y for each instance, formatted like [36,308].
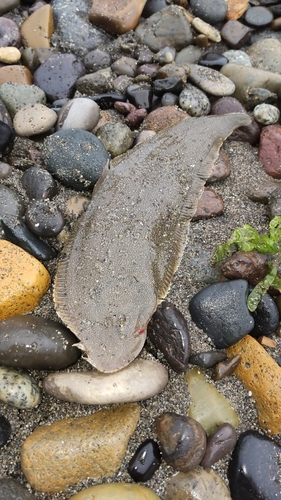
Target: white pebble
[266,114]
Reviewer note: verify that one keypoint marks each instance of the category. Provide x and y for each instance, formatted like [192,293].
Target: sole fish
[122,255]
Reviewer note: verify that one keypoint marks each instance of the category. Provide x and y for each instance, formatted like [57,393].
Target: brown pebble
[251,266]
[15,74]
[135,117]
[276,24]
[236,9]
[116,16]
[202,41]
[220,169]
[209,205]
[164,117]
[124,107]
[38,28]
[267,342]
[220,442]
[225,368]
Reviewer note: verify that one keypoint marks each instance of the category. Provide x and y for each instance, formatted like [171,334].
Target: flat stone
[225,368]
[9,55]
[117,17]
[142,379]
[209,205]
[164,117]
[210,80]
[34,119]
[246,78]
[213,60]
[86,447]
[208,406]
[16,96]
[211,11]
[207,359]
[10,489]
[262,376]
[220,169]
[36,343]
[236,34]
[236,9]
[24,280]
[58,75]
[8,5]
[197,484]
[15,74]
[18,389]
[169,27]
[120,491]
[38,183]
[38,28]
[221,311]
[254,469]
[219,443]
[258,16]
[270,150]
[78,113]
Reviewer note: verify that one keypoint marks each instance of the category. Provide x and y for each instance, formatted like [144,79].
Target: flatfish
[122,255]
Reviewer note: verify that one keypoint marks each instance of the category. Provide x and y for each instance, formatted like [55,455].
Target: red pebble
[135,117]
[270,150]
[124,107]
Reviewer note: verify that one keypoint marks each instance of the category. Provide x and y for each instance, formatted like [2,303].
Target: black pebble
[207,359]
[145,461]
[266,317]
[5,430]
[7,137]
[213,60]
[106,101]
[38,183]
[172,84]
[44,218]
[18,233]
[140,94]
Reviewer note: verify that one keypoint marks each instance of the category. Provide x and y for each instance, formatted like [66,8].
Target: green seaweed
[247,239]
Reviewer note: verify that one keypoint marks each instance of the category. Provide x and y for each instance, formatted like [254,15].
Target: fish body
[123,253]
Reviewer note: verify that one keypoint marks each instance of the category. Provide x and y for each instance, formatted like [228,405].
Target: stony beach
[84,65]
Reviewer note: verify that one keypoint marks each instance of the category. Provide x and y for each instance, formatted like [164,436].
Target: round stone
[44,218]
[194,101]
[211,11]
[9,55]
[145,461]
[9,33]
[34,119]
[116,137]
[266,114]
[79,113]
[258,16]
[97,59]
[75,157]
[5,432]
[266,54]
[125,66]
[38,183]
[18,390]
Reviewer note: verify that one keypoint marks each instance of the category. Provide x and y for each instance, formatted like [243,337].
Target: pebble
[16,96]
[221,311]
[207,359]
[197,484]
[236,9]
[219,443]
[74,32]
[169,99]
[9,55]
[116,137]
[5,432]
[225,368]
[211,11]
[24,280]
[8,5]
[10,489]
[36,343]
[44,218]
[79,113]
[254,468]
[165,55]
[33,120]
[18,389]
[107,100]
[220,169]
[97,59]
[5,170]
[173,70]
[168,331]
[261,375]
[57,76]
[135,117]
[4,115]
[168,27]
[120,491]
[190,54]
[259,96]
[140,95]
[250,266]
[37,29]
[210,80]
[264,54]
[145,461]
[75,157]
[161,118]
[266,317]
[270,150]
[89,441]
[262,192]
[182,441]
[125,66]
[15,74]
[208,406]
[172,84]
[209,205]
[237,57]
[7,137]
[9,33]
[116,18]
[11,203]
[149,69]
[213,60]
[274,203]
[258,16]
[266,114]
[236,34]
[194,101]
[38,183]
[17,232]
[95,83]
[141,380]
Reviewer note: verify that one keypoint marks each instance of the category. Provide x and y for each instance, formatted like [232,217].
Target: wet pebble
[225,368]
[258,16]
[145,461]
[270,150]
[11,203]
[211,11]
[33,120]
[11,489]
[5,432]
[197,484]
[211,81]
[168,330]
[107,100]
[194,101]
[38,183]
[266,114]
[142,379]
[221,311]
[5,170]
[75,157]
[135,117]
[172,84]
[182,441]
[254,467]
[213,60]
[219,443]
[207,359]
[251,266]
[266,317]
[116,137]
[80,113]
[237,57]
[7,137]
[190,54]
[44,218]
[36,343]
[140,95]
[17,389]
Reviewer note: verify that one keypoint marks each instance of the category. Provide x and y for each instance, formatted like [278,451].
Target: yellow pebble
[9,55]
[23,280]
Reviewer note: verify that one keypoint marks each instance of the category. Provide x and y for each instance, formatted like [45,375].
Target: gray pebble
[18,389]
[11,203]
[95,83]
[116,137]
[79,113]
[211,81]
[16,96]
[191,54]
[125,66]
[211,11]
[194,101]
[238,57]
[97,59]
[266,114]
[266,54]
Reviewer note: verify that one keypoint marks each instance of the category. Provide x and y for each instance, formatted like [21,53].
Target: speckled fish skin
[123,253]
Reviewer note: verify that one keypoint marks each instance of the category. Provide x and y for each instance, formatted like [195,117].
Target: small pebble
[116,138]
[266,114]
[225,368]
[125,66]
[236,34]
[9,55]
[270,150]
[194,101]
[140,95]
[9,33]
[219,443]
[207,359]
[135,117]
[209,205]
[38,183]
[7,137]
[237,57]
[213,60]
[258,16]
[44,218]
[165,55]
[266,317]
[95,83]
[251,266]
[145,461]
[17,389]
[206,29]
[257,96]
